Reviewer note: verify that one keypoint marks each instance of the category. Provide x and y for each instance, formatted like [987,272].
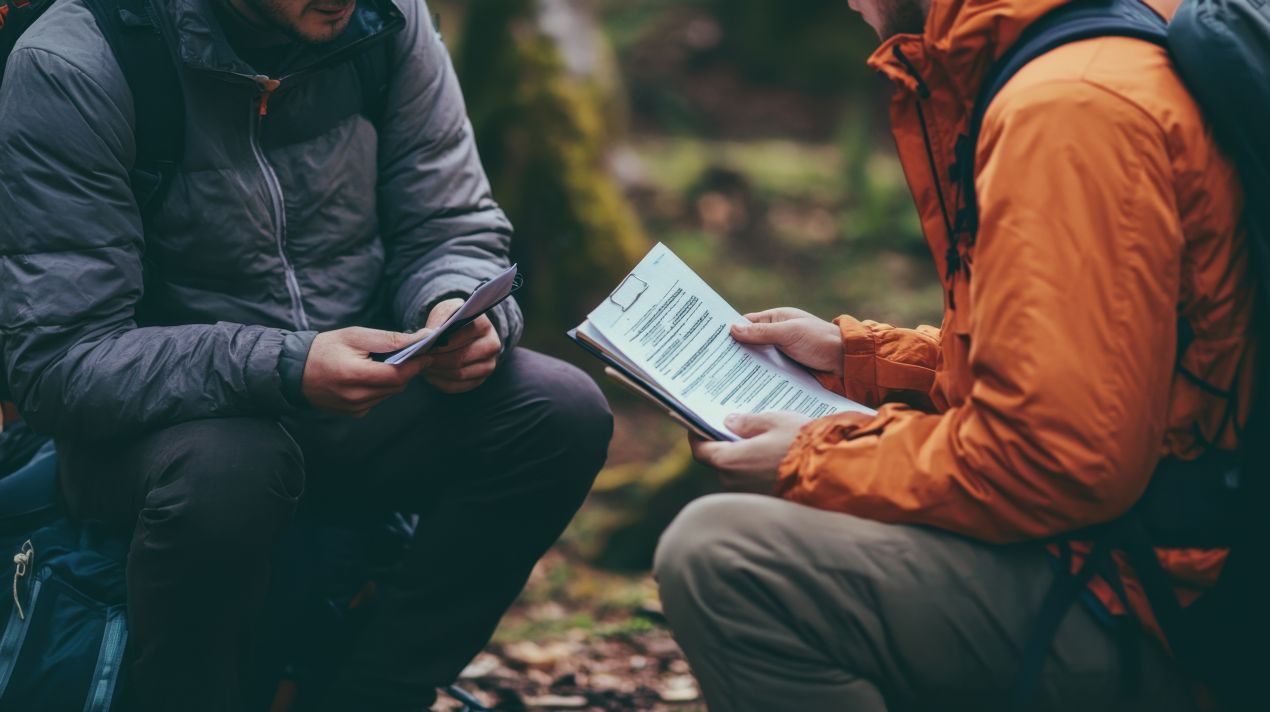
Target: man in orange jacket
[1042,405]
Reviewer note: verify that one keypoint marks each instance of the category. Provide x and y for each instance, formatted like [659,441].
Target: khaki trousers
[784,607]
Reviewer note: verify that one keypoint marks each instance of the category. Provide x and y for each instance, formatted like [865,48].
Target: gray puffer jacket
[275,227]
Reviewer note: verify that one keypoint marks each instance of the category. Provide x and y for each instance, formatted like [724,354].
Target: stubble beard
[901,17]
[271,12]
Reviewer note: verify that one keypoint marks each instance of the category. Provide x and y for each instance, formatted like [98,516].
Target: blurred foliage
[810,45]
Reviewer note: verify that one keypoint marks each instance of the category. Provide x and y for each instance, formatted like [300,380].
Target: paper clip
[628,292]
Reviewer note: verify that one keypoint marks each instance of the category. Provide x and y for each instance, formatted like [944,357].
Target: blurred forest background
[750,137]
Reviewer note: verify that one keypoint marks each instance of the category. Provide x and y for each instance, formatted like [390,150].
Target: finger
[749,425]
[442,311]
[376,341]
[706,451]
[412,367]
[372,374]
[762,334]
[484,350]
[771,316]
[479,329]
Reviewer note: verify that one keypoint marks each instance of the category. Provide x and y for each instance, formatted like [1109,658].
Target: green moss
[626,628]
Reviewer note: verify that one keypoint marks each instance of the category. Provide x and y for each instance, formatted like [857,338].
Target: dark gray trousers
[784,607]
[496,474]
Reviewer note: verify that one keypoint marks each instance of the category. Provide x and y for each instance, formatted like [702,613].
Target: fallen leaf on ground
[559,702]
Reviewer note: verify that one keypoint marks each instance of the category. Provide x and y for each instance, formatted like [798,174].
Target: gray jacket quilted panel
[306,219]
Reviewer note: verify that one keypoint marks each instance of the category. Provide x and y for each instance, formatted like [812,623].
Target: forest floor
[581,639]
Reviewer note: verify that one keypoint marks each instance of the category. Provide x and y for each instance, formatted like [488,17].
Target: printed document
[668,330]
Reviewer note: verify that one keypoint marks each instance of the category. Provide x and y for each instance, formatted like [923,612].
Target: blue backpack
[65,630]
[1221,50]
[67,586]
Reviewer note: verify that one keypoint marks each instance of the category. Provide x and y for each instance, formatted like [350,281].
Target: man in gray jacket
[200,367]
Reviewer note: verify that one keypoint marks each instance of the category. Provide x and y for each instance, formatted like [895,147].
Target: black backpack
[1221,49]
[130,29]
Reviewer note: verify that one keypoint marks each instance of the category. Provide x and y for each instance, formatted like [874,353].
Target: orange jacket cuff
[859,360]
[880,361]
[797,463]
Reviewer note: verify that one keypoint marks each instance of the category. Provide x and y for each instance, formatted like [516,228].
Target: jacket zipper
[952,257]
[15,632]
[267,87]
[109,660]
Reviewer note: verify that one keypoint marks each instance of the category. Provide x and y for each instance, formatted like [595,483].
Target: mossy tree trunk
[543,133]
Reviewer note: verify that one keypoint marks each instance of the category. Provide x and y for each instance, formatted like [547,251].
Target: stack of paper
[664,333]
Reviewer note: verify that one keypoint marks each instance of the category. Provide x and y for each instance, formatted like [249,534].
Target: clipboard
[629,381]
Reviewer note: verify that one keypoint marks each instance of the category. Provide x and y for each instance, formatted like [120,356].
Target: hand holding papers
[487,295]
[665,331]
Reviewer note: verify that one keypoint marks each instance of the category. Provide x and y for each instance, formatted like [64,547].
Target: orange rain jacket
[1050,393]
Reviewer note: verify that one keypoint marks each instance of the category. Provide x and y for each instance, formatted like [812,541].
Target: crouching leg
[208,499]
[783,607]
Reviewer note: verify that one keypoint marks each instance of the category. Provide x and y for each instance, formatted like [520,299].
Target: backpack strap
[15,17]
[1070,23]
[373,74]
[131,28]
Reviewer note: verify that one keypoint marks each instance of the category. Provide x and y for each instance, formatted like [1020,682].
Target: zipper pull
[24,560]
[267,88]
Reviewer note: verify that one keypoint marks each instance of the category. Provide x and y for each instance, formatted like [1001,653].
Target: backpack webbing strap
[374,74]
[1057,603]
[131,29]
[16,16]
[1070,23]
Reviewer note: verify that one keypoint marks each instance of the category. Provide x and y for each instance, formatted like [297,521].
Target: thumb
[748,425]
[761,334]
[376,341]
[442,311]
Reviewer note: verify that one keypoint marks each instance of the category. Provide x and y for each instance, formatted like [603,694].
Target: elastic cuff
[859,360]
[797,464]
[291,362]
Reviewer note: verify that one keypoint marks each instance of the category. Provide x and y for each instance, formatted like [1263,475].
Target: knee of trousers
[225,484]
[573,416]
[703,553]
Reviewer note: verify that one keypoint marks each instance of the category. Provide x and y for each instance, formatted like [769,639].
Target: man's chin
[321,33]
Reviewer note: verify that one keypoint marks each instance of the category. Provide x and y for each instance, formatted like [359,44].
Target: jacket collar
[201,43]
[963,39]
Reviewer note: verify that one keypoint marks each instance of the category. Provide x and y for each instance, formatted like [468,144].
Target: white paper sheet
[674,328]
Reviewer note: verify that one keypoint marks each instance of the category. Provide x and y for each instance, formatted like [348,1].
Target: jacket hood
[201,42]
